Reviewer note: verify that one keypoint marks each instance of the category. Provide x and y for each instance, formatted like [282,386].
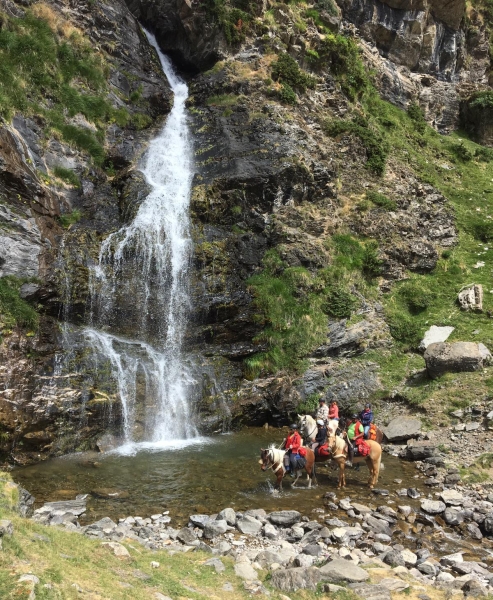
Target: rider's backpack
[323,450]
[372,433]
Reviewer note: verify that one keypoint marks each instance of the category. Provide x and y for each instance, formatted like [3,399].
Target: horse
[338,453]
[273,458]
[307,426]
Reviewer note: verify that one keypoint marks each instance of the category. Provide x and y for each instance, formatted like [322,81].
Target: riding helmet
[355,415]
[320,422]
[293,426]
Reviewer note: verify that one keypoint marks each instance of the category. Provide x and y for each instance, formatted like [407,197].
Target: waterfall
[139,289]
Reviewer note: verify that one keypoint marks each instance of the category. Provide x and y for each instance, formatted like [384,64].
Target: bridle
[273,464]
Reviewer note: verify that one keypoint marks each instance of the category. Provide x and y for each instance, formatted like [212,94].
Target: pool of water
[203,476]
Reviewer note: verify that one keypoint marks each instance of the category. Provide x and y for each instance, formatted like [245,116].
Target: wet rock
[456,357]
[413,493]
[299,578]
[473,531]
[285,518]
[343,570]
[402,428]
[419,450]
[377,525]
[453,516]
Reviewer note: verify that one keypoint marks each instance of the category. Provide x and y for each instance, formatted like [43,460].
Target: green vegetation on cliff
[14,311]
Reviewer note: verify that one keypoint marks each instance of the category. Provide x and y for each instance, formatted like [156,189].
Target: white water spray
[145,266]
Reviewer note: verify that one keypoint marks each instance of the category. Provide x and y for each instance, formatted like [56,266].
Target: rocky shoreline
[442,538]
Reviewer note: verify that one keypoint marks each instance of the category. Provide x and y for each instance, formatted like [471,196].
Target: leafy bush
[375,144]
[309,405]
[287,71]
[404,329]
[381,200]
[417,116]
[484,154]
[483,230]
[415,296]
[13,309]
[71,218]
[482,100]
[234,18]
[339,302]
[371,264]
[287,94]
[462,152]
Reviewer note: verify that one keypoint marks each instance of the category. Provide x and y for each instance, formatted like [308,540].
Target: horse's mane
[276,453]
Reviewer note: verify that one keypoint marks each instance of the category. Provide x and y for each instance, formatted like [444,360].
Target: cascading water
[143,268]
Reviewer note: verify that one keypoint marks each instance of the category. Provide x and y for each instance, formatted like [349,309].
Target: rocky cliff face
[312,197]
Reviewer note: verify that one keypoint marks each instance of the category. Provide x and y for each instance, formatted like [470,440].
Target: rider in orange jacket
[292,444]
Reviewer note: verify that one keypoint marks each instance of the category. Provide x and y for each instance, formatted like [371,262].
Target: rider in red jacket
[292,445]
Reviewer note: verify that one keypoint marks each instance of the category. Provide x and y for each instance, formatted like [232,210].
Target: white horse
[273,458]
[308,427]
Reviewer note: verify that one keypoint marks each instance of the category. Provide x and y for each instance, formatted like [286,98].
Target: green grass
[381,200]
[14,311]
[67,175]
[222,100]
[71,218]
[48,69]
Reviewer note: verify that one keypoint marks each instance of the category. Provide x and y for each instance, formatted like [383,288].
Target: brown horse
[273,458]
[338,452]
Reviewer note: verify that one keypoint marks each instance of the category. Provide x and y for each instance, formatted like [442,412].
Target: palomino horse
[338,453]
[273,458]
[308,428]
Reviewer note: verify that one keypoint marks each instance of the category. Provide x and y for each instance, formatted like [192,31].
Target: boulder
[249,525]
[457,357]
[6,527]
[186,536]
[419,450]
[452,497]
[199,520]
[214,528]
[285,518]
[343,570]
[435,334]
[394,559]
[368,591]
[299,578]
[267,557]
[216,564]
[270,531]
[470,298]
[245,571]
[432,507]
[228,515]
[402,429]
[453,516]
[118,550]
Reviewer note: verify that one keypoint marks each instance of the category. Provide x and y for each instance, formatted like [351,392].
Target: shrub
[371,264]
[287,94]
[71,218]
[417,116]
[13,309]
[339,302]
[287,71]
[381,200]
[404,329]
[234,18]
[483,230]
[328,6]
[349,251]
[375,144]
[462,152]
[415,297]
[484,154]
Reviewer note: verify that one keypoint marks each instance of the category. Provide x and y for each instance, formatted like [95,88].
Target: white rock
[452,497]
[409,557]
[118,549]
[435,334]
[154,564]
[245,571]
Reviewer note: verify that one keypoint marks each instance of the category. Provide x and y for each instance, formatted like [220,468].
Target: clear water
[139,288]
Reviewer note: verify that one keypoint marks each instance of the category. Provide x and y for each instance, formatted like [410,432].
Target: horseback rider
[322,411]
[291,444]
[333,416]
[355,433]
[321,437]
[367,418]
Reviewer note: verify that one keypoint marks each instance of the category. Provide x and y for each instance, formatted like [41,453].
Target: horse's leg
[279,482]
[297,474]
[314,475]
[369,464]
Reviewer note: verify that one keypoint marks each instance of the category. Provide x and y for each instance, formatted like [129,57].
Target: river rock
[419,450]
[285,518]
[249,525]
[270,531]
[361,509]
[199,520]
[452,497]
[343,570]
[186,536]
[118,550]
[473,531]
[488,523]
[377,525]
[453,516]
[299,578]
[245,571]
[228,515]
[410,559]
[402,428]
[432,507]
[456,357]
[214,528]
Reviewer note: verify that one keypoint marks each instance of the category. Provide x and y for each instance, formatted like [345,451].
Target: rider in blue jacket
[367,418]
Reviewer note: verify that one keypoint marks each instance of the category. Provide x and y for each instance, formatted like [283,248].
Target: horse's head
[265,459]
[302,424]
